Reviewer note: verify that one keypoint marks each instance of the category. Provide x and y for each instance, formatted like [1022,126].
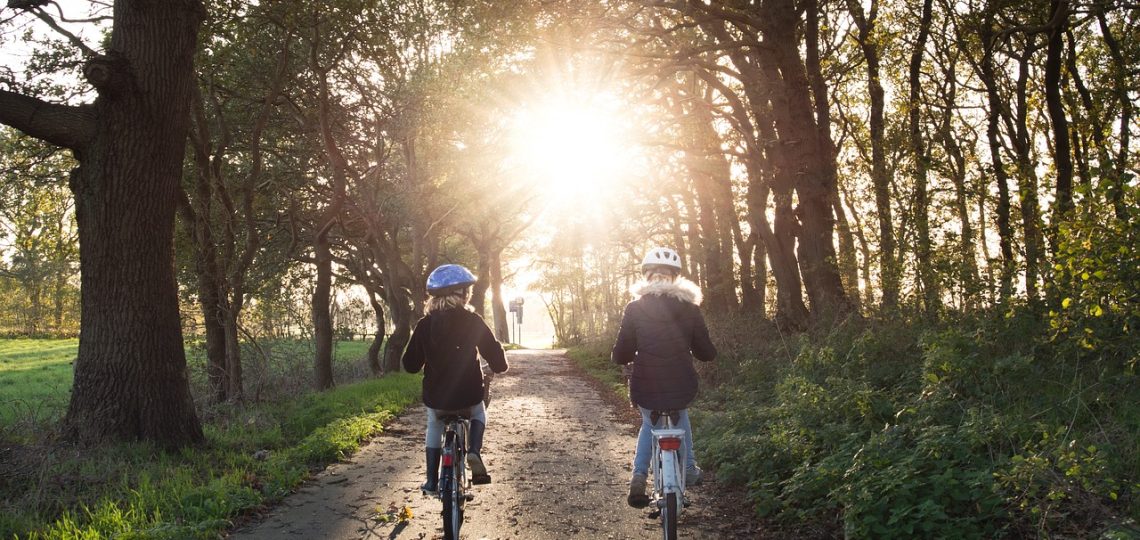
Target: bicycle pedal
[655,514]
[481,479]
[468,497]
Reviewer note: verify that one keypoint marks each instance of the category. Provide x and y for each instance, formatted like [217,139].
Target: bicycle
[454,481]
[668,469]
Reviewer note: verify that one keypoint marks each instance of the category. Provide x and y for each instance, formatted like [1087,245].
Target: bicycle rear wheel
[669,517]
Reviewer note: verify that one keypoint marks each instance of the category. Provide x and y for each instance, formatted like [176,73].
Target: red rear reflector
[448,460]
[669,443]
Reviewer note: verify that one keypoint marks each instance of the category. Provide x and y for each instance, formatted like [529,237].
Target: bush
[987,427]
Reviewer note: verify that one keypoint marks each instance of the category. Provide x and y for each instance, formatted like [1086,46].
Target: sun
[572,150]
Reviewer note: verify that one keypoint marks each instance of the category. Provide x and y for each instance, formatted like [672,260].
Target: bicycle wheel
[453,496]
[669,517]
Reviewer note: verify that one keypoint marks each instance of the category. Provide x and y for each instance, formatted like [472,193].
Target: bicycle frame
[668,467]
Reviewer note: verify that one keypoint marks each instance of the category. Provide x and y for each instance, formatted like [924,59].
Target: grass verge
[255,455]
[595,361]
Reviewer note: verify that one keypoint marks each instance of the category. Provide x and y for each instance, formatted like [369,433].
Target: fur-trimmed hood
[681,289]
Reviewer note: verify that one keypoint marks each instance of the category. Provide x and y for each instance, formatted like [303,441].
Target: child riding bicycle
[444,344]
[662,330]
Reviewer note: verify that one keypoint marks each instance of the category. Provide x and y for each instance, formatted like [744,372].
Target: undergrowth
[994,426]
[255,455]
[980,428]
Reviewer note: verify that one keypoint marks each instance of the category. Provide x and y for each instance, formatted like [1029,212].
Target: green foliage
[39,271]
[1097,268]
[255,455]
[975,429]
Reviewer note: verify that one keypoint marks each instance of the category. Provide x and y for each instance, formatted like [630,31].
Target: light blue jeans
[435,426]
[645,441]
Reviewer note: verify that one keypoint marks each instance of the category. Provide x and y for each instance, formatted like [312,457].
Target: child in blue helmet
[444,344]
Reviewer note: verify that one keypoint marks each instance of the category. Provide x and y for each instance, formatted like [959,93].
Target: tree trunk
[806,167]
[1122,86]
[215,337]
[234,384]
[1027,178]
[482,279]
[710,174]
[847,264]
[926,275]
[499,311]
[993,134]
[378,339]
[401,307]
[880,177]
[322,292]
[322,314]
[130,374]
[1062,151]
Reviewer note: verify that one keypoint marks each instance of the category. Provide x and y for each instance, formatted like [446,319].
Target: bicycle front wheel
[669,517]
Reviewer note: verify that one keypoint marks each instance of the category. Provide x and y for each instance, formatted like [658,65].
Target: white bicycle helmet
[661,256]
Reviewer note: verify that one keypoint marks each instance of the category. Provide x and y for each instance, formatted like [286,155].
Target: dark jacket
[444,344]
[661,332]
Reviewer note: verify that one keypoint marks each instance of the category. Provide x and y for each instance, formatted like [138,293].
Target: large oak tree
[130,375]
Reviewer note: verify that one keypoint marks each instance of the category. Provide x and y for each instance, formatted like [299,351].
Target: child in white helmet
[662,331]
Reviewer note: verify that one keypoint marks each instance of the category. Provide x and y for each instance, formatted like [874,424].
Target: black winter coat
[661,332]
[444,344]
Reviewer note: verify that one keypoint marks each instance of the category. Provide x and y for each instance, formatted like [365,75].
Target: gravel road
[558,452]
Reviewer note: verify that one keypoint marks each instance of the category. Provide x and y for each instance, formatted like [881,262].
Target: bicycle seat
[455,415]
[674,416]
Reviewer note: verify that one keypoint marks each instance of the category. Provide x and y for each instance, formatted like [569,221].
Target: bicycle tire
[669,517]
[453,496]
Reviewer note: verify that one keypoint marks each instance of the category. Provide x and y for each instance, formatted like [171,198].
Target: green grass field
[35,378]
[36,375]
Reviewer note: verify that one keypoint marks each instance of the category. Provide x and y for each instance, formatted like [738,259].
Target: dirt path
[558,452]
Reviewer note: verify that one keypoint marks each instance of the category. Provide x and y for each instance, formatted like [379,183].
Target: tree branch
[78,43]
[62,125]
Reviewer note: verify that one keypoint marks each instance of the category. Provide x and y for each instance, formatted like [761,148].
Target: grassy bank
[980,428]
[255,454]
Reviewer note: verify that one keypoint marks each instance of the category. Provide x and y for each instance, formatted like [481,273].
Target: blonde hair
[456,299]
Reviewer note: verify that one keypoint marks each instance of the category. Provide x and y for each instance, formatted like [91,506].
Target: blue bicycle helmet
[449,277]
